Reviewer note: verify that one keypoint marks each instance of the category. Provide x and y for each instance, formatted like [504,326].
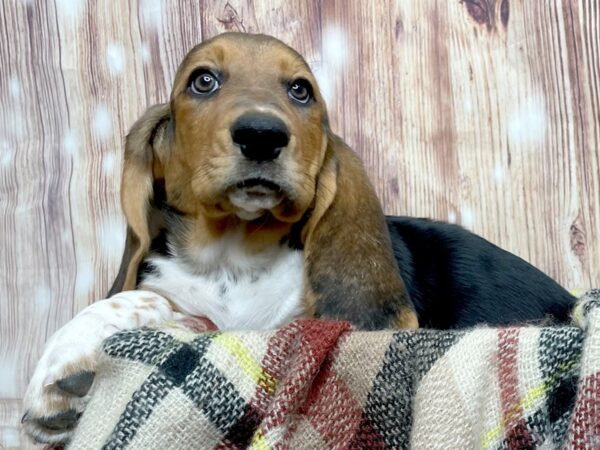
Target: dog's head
[248,130]
[245,136]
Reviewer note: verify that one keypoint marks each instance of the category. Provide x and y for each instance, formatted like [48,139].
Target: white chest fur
[234,288]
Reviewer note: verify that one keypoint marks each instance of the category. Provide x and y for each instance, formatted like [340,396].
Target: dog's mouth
[259,186]
[253,197]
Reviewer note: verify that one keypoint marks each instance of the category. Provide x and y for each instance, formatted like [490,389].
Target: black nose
[260,137]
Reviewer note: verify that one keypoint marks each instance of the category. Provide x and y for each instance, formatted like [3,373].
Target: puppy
[245,209]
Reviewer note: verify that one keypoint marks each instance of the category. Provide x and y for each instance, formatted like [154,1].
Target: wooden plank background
[480,112]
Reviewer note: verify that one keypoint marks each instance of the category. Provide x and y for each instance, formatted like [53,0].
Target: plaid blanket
[319,384]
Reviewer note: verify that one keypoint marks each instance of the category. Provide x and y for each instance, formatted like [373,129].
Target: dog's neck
[187,234]
[238,273]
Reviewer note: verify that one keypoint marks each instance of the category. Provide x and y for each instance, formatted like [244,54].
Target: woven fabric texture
[320,384]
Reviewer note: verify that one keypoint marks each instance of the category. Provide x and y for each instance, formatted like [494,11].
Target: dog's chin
[254,199]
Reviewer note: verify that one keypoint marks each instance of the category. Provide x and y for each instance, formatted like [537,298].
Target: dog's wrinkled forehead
[248,60]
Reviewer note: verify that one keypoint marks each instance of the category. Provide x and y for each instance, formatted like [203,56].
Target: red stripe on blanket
[584,430]
[366,437]
[278,349]
[331,407]
[515,429]
[306,352]
[518,436]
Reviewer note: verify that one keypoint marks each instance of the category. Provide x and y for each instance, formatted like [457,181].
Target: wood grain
[481,112]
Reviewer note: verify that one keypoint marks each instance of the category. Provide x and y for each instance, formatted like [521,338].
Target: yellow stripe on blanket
[259,442]
[531,396]
[246,361]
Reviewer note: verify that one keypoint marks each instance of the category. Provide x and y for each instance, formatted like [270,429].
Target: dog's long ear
[142,166]
[350,267]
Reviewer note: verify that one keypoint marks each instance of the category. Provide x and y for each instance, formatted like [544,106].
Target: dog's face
[248,127]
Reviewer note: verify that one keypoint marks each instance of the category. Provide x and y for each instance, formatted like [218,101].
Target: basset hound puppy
[245,209]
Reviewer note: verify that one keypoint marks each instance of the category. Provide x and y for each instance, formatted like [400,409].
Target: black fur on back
[457,279]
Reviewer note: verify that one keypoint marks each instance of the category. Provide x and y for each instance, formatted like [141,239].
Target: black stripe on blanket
[560,358]
[142,345]
[178,366]
[388,411]
[215,396]
[142,403]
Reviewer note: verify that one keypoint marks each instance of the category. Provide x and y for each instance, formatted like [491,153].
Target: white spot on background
[528,122]
[71,142]
[66,236]
[10,437]
[6,159]
[467,218]
[152,12]
[499,174]
[102,122]
[70,8]
[43,298]
[108,164]
[15,122]
[452,216]
[115,59]
[335,57]
[6,155]
[112,235]
[145,52]
[468,105]
[335,51]
[8,378]
[14,87]
[84,279]
[324,83]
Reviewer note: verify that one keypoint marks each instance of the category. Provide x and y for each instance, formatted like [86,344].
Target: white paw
[57,392]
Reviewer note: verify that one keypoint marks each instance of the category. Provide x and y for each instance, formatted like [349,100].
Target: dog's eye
[300,91]
[203,83]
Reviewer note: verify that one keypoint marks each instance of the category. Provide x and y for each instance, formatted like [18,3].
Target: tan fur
[186,146]
[407,320]
[141,161]
[348,248]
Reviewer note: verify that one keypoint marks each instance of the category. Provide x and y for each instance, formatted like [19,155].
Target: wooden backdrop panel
[480,112]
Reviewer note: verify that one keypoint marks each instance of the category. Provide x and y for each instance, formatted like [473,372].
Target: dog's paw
[57,393]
